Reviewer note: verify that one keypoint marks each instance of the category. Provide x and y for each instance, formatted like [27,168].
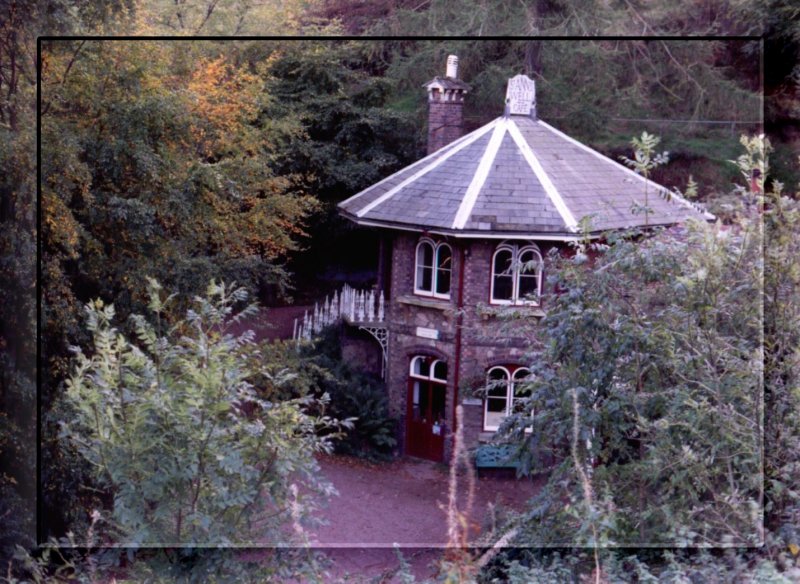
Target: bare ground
[402,502]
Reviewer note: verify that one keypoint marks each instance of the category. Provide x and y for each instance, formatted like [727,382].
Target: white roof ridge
[538,170]
[419,162]
[456,147]
[672,194]
[481,173]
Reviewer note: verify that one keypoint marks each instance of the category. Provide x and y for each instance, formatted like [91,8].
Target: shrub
[179,435]
[354,396]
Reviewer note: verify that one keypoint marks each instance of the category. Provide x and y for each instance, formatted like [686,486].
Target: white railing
[356,306]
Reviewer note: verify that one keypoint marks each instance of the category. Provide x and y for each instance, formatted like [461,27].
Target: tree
[338,128]
[178,434]
[21,21]
[650,389]
[669,394]
[222,17]
[153,164]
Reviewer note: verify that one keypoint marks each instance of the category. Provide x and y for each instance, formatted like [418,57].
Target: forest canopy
[187,161]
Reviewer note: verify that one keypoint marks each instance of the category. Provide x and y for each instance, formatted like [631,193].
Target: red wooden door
[425,419]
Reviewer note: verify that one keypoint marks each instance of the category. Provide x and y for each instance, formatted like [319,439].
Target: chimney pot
[445,107]
[452,67]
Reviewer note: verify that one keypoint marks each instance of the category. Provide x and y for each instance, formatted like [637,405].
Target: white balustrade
[357,306]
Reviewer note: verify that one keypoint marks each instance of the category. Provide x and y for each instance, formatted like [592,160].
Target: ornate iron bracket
[381,334]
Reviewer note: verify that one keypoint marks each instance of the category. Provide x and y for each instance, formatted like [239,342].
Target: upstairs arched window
[433,267]
[505,395]
[516,274]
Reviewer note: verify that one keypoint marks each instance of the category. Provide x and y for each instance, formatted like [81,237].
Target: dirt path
[400,502]
[272,323]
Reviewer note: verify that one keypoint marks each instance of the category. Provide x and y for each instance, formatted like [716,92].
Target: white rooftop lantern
[452,67]
[521,96]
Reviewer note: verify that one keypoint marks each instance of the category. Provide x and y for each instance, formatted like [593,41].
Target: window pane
[528,287]
[443,281]
[440,370]
[521,373]
[494,419]
[421,366]
[424,278]
[496,405]
[425,267]
[503,262]
[529,269]
[421,412]
[498,384]
[503,288]
[503,276]
[497,397]
[424,367]
[425,254]
[521,393]
[444,257]
[444,262]
[529,261]
[520,390]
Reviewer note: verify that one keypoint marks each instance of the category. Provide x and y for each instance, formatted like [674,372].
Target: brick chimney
[445,107]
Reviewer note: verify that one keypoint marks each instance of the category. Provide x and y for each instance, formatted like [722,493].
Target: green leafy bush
[356,396]
[181,437]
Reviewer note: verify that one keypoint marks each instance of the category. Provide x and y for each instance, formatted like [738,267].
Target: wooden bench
[495,456]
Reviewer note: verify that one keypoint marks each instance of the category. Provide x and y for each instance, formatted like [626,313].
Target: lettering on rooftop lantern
[521,95]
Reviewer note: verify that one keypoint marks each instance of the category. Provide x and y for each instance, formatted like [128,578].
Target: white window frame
[510,393]
[432,370]
[517,251]
[437,247]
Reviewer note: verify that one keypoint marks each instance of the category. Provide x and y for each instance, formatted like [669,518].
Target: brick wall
[404,317]
[486,340]
[445,120]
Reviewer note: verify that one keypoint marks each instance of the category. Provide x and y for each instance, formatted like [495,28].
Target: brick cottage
[465,233]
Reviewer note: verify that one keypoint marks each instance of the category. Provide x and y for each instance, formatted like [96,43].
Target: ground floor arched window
[506,390]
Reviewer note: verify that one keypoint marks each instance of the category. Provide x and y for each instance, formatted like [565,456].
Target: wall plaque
[427,333]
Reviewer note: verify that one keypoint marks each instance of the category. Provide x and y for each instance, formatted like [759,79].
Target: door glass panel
[418,399]
[421,402]
[439,370]
[437,402]
[421,366]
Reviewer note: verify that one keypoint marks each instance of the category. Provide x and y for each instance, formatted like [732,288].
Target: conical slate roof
[515,176]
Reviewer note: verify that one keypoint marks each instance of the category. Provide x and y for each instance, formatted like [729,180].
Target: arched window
[423,367]
[433,267]
[516,274]
[506,393]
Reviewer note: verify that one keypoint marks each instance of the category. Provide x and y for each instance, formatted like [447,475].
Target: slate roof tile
[511,196]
